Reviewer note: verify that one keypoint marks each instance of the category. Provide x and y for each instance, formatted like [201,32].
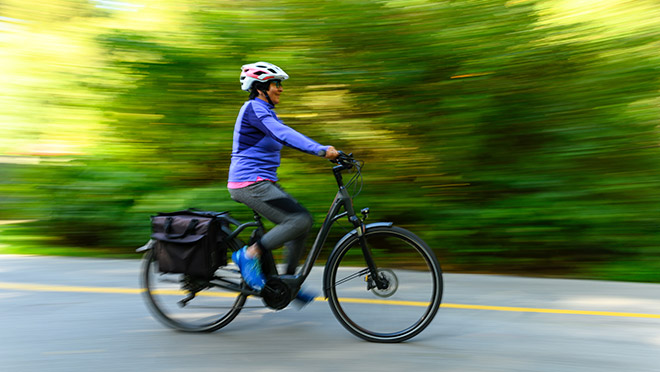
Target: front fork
[373,279]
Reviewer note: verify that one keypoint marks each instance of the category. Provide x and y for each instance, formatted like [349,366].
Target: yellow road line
[179,292]
[67,288]
[381,302]
[552,311]
[81,289]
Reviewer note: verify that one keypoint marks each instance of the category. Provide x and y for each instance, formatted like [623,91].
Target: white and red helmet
[260,71]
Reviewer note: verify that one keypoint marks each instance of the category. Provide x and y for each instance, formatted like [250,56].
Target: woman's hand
[331,153]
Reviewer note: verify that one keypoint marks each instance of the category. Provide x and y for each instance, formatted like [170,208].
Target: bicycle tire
[211,309]
[393,314]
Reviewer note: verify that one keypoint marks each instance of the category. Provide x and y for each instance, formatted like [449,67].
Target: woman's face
[274,91]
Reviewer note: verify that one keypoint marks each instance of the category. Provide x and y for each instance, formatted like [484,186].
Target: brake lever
[343,159]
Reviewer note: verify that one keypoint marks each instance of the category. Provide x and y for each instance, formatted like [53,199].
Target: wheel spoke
[352,276]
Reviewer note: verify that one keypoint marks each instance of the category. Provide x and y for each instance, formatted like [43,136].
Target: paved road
[68,314]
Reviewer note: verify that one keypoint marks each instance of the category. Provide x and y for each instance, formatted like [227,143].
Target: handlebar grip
[342,158]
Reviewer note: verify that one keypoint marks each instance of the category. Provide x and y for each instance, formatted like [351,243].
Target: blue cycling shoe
[250,269]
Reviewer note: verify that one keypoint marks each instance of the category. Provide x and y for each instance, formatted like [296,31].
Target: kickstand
[188,298]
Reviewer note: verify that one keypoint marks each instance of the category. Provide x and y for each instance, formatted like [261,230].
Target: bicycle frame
[342,200]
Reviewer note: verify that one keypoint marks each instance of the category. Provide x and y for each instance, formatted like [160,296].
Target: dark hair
[259,86]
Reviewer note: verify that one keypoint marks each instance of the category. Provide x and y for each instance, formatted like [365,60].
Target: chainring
[276,294]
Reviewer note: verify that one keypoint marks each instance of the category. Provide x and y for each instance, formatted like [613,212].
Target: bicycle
[382,282]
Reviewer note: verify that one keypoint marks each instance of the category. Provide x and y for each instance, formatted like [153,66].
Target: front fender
[350,235]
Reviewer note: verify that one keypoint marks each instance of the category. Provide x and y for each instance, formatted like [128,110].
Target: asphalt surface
[77,314]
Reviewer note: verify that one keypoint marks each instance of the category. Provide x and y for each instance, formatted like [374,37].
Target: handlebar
[345,160]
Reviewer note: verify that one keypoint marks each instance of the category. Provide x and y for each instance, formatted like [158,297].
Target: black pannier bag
[192,242]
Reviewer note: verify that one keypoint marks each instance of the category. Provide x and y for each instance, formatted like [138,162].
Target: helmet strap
[267,96]
[269,101]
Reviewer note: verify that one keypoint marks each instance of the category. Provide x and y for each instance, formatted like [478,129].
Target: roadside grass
[640,270]
[17,237]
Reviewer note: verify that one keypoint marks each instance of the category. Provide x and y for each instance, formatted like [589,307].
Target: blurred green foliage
[514,136]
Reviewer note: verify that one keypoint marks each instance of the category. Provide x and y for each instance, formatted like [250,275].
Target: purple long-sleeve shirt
[258,139]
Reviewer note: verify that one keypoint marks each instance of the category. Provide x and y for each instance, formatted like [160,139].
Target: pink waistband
[240,185]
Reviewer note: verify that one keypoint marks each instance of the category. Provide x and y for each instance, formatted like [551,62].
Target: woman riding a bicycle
[259,136]
[382,282]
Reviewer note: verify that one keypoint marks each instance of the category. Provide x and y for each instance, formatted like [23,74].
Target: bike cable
[353,182]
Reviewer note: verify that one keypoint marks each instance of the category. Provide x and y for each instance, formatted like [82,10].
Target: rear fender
[150,244]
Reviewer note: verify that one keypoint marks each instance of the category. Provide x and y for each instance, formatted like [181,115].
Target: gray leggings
[292,219]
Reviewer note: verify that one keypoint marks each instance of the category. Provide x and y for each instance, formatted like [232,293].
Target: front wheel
[168,296]
[404,299]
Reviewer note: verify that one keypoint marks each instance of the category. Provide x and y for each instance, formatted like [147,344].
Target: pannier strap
[189,230]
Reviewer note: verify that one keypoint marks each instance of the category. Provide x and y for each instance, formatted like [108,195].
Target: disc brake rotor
[390,278]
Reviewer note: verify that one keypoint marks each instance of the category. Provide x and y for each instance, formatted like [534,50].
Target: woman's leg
[292,220]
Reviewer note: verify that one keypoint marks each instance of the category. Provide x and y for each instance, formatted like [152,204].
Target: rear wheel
[410,290]
[211,308]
